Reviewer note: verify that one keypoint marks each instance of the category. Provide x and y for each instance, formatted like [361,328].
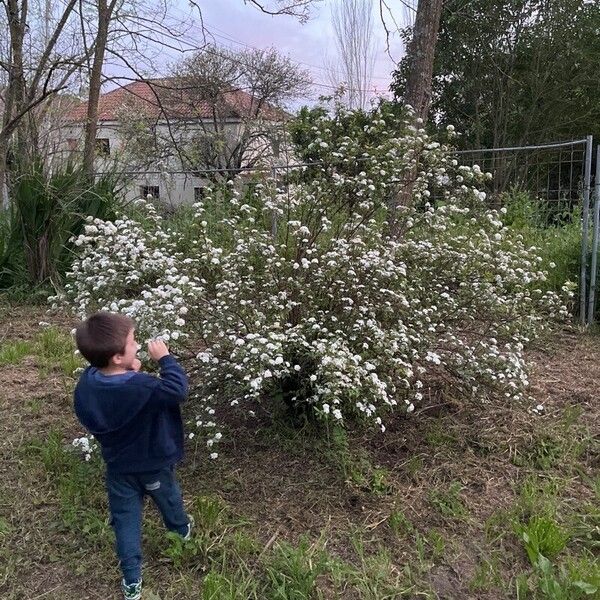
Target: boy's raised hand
[157,349]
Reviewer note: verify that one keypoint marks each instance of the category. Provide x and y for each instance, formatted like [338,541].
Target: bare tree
[353,26]
[35,68]
[420,56]
[296,8]
[49,47]
[105,16]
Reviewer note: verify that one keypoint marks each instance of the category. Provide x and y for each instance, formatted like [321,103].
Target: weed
[569,417]
[4,527]
[375,578]
[585,527]
[78,486]
[522,586]
[184,552]
[495,525]
[208,512]
[596,487]
[244,545]
[414,465]
[541,536]
[543,453]
[438,435]
[293,572]
[399,523]
[56,350]
[487,574]
[539,496]
[237,586]
[437,544]
[356,466]
[584,573]
[568,583]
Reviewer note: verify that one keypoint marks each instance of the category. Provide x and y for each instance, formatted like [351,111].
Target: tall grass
[45,211]
[554,229]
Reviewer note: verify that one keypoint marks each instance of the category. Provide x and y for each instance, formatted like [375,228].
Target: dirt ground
[288,487]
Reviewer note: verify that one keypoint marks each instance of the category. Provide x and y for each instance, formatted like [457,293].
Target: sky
[238,25]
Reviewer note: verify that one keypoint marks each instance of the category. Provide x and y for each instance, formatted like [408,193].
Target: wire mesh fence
[559,177]
[552,174]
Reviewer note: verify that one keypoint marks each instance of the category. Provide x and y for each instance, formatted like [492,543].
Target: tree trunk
[105,11]
[420,53]
[4,204]
[15,93]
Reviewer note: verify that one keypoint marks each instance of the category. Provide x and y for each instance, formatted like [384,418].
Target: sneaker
[188,535]
[132,591]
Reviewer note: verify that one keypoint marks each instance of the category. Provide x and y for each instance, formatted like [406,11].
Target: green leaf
[585,587]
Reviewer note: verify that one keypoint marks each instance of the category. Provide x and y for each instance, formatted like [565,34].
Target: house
[169,139]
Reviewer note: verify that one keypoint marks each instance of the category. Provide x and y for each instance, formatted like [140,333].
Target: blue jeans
[126,498]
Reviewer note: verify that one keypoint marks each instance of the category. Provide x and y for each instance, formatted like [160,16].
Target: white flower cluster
[206,426]
[124,267]
[313,296]
[86,445]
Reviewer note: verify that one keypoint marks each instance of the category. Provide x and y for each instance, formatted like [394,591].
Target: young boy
[137,420]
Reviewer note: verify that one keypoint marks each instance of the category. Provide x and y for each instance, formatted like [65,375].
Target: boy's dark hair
[101,336]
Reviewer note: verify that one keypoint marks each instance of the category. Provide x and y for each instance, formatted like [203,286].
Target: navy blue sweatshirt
[135,416]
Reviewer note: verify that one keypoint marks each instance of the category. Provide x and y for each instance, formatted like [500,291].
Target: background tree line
[515,72]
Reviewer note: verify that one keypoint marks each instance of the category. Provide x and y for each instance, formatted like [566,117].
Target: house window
[199,193]
[150,190]
[102,146]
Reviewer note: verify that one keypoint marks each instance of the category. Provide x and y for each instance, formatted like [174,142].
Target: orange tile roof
[163,98]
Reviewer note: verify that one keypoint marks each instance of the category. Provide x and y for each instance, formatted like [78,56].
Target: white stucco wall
[175,187]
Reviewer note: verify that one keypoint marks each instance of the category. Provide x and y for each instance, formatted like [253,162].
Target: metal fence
[559,175]
[553,173]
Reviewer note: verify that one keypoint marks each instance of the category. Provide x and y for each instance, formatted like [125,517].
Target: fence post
[585,226]
[594,266]
[273,213]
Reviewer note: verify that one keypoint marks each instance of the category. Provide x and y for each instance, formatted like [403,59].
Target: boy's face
[126,360]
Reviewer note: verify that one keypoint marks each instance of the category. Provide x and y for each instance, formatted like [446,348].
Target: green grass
[541,535]
[399,523]
[292,571]
[543,453]
[356,465]
[11,353]
[78,487]
[56,350]
[53,348]
[539,495]
[487,574]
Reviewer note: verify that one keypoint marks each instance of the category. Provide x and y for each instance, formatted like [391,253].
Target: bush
[45,211]
[303,294]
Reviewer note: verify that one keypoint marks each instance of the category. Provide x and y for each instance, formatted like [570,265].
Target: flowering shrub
[307,295]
